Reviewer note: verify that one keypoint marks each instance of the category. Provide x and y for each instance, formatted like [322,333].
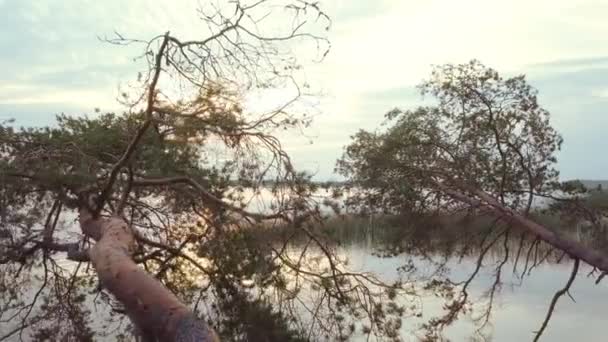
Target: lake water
[520,306]
[520,303]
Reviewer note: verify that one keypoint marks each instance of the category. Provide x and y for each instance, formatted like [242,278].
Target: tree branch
[206,195]
[574,248]
[105,193]
[556,297]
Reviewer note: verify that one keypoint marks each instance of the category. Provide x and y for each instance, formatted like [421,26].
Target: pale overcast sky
[52,62]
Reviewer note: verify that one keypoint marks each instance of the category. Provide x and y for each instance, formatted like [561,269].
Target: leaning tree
[483,146]
[156,211]
[140,222]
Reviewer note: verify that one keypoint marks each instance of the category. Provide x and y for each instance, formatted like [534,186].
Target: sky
[53,62]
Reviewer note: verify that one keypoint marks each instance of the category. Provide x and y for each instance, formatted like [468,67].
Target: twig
[105,193]
[206,195]
[556,297]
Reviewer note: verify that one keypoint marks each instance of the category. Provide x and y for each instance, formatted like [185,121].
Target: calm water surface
[519,307]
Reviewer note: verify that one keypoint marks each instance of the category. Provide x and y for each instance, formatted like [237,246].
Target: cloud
[572,92]
[568,65]
[602,93]
[52,59]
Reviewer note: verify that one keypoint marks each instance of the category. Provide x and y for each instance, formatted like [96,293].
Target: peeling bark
[157,312]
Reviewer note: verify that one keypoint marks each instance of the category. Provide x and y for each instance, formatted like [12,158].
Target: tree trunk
[574,248]
[155,311]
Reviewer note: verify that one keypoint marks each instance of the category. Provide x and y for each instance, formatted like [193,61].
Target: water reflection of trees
[296,283]
[429,249]
[490,245]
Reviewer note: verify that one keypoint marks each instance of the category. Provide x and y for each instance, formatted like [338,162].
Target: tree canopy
[151,171]
[484,146]
[482,130]
[168,243]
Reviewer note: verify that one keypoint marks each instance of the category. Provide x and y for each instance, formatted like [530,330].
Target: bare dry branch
[556,297]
